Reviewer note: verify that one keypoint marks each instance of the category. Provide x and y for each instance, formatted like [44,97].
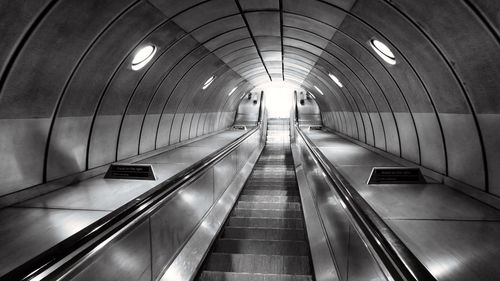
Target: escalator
[264,238]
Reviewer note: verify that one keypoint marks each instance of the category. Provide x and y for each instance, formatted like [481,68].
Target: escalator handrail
[57,259]
[400,262]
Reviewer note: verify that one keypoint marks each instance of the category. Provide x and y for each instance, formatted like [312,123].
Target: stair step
[266,213]
[263,233]
[261,247]
[269,186]
[273,181]
[270,192]
[259,264]
[268,205]
[296,223]
[269,198]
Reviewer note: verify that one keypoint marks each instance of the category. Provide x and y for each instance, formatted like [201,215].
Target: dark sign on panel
[131,172]
[395,175]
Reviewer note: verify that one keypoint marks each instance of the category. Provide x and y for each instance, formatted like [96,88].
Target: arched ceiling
[65,65]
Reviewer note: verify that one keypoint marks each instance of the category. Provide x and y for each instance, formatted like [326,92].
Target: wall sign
[395,175]
[130,172]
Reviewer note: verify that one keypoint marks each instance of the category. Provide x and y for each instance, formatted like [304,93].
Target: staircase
[264,238]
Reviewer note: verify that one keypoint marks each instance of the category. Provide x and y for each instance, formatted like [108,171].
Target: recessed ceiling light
[232,91]
[336,80]
[208,82]
[319,91]
[143,56]
[383,51]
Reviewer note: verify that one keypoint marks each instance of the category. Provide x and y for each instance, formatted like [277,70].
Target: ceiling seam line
[252,36]
[282,48]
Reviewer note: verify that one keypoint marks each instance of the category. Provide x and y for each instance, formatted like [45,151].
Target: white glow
[232,91]
[208,82]
[143,56]
[383,51]
[319,91]
[278,98]
[336,80]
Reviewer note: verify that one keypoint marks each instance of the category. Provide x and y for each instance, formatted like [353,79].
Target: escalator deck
[264,238]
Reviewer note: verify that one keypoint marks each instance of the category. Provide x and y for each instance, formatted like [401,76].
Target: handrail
[67,253]
[259,119]
[396,257]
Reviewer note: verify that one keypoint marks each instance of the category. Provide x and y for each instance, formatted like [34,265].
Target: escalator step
[264,238]
[269,198]
[262,247]
[266,205]
[270,192]
[259,264]
[266,213]
[266,222]
[263,233]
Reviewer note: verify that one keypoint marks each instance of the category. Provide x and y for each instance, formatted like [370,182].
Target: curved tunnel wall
[70,102]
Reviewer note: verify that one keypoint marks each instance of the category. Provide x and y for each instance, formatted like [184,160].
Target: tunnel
[268,140]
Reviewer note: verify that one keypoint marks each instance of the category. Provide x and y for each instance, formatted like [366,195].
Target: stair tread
[264,237]
[243,276]
[269,264]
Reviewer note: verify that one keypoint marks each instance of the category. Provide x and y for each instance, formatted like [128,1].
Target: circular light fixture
[143,56]
[383,51]
[232,91]
[319,91]
[208,82]
[336,80]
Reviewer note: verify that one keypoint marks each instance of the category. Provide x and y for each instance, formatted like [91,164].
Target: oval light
[143,56]
[336,80]
[319,91]
[383,51]
[208,82]
[232,91]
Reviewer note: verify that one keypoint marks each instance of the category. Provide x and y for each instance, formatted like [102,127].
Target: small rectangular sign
[131,172]
[395,175]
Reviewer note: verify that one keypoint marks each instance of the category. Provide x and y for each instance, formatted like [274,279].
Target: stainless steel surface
[350,252]
[453,249]
[103,194]
[62,213]
[450,232]
[323,260]
[128,258]
[27,232]
[173,224]
[187,262]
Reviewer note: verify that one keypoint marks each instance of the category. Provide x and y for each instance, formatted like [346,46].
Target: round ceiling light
[143,56]
[336,80]
[383,51]
[208,82]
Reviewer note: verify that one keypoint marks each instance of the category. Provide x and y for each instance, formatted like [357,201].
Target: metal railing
[397,259]
[73,251]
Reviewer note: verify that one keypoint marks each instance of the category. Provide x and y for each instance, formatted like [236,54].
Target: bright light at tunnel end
[143,57]
[383,51]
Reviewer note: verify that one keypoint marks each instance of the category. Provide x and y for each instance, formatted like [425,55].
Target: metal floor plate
[454,235]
